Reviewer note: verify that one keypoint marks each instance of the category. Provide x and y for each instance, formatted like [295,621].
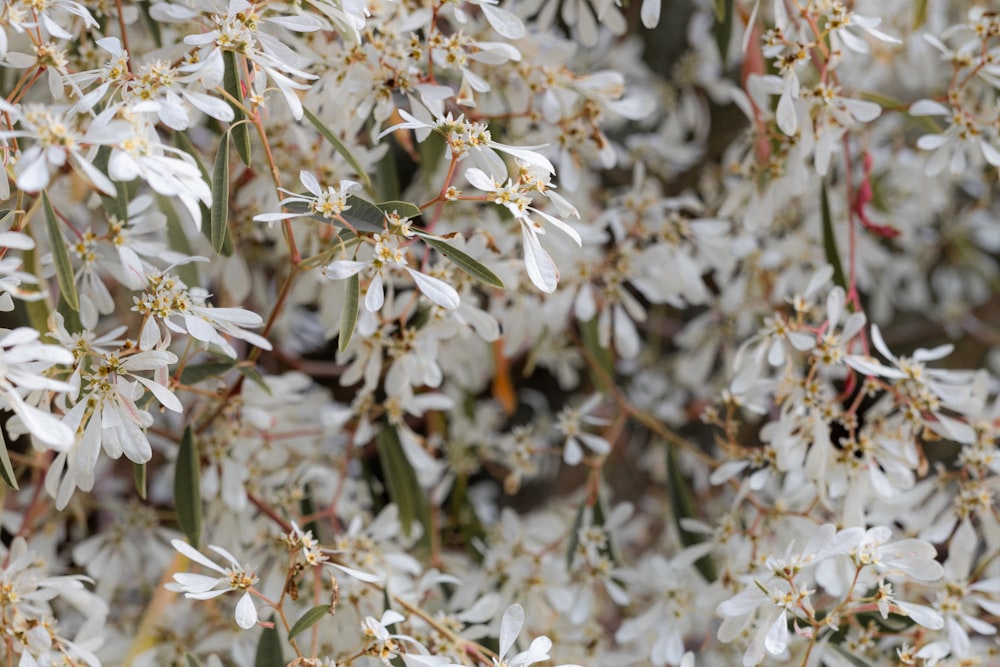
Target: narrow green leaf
[269,649]
[195,373]
[139,476]
[723,27]
[6,469]
[307,507]
[349,319]
[308,619]
[387,173]
[464,261]
[38,307]
[232,83]
[151,24]
[251,373]
[364,215]
[187,488]
[401,482]
[830,240]
[602,355]
[220,195]
[339,146]
[683,505]
[177,240]
[71,318]
[403,208]
[184,143]
[574,536]
[919,13]
[431,150]
[64,268]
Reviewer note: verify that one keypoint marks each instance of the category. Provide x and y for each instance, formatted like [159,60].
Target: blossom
[23,362]
[235,577]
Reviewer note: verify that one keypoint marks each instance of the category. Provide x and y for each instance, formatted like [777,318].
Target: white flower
[23,360]
[510,628]
[236,577]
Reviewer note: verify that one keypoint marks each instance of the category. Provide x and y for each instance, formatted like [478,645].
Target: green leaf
[191,660]
[602,355]
[464,261]
[830,240]
[431,150]
[403,208]
[307,507]
[919,13]
[139,476]
[401,482]
[232,83]
[220,195]
[364,215]
[187,488]
[349,319]
[269,649]
[64,268]
[308,619]
[251,373]
[724,27]
[6,469]
[184,143]
[339,146]
[195,373]
[683,506]
[177,240]
[574,536]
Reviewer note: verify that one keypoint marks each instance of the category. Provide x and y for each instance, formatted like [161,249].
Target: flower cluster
[499,333]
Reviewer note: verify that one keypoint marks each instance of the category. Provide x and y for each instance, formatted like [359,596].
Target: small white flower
[204,587]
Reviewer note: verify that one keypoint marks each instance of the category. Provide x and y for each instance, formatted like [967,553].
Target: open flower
[205,587]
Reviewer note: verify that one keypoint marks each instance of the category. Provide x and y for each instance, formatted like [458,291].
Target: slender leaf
[269,649]
[71,318]
[339,146]
[683,506]
[139,476]
[308,619]
[574,536]
[401,482]
[195,373]
[191,660]
[251,373]
[234,86]
[220,195]
[464,261]
[830,240]
[177,240]
[602,355]
[349,319]
[6,469]
[919,13]
[364,215]
[307,507]
[184,143]
[724,27]
[387,173]
[187,487]
[64,268]
[403,208]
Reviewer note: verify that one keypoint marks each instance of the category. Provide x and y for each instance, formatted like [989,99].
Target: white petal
[246,612]
[436,290]
[541,269]
[510,628]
